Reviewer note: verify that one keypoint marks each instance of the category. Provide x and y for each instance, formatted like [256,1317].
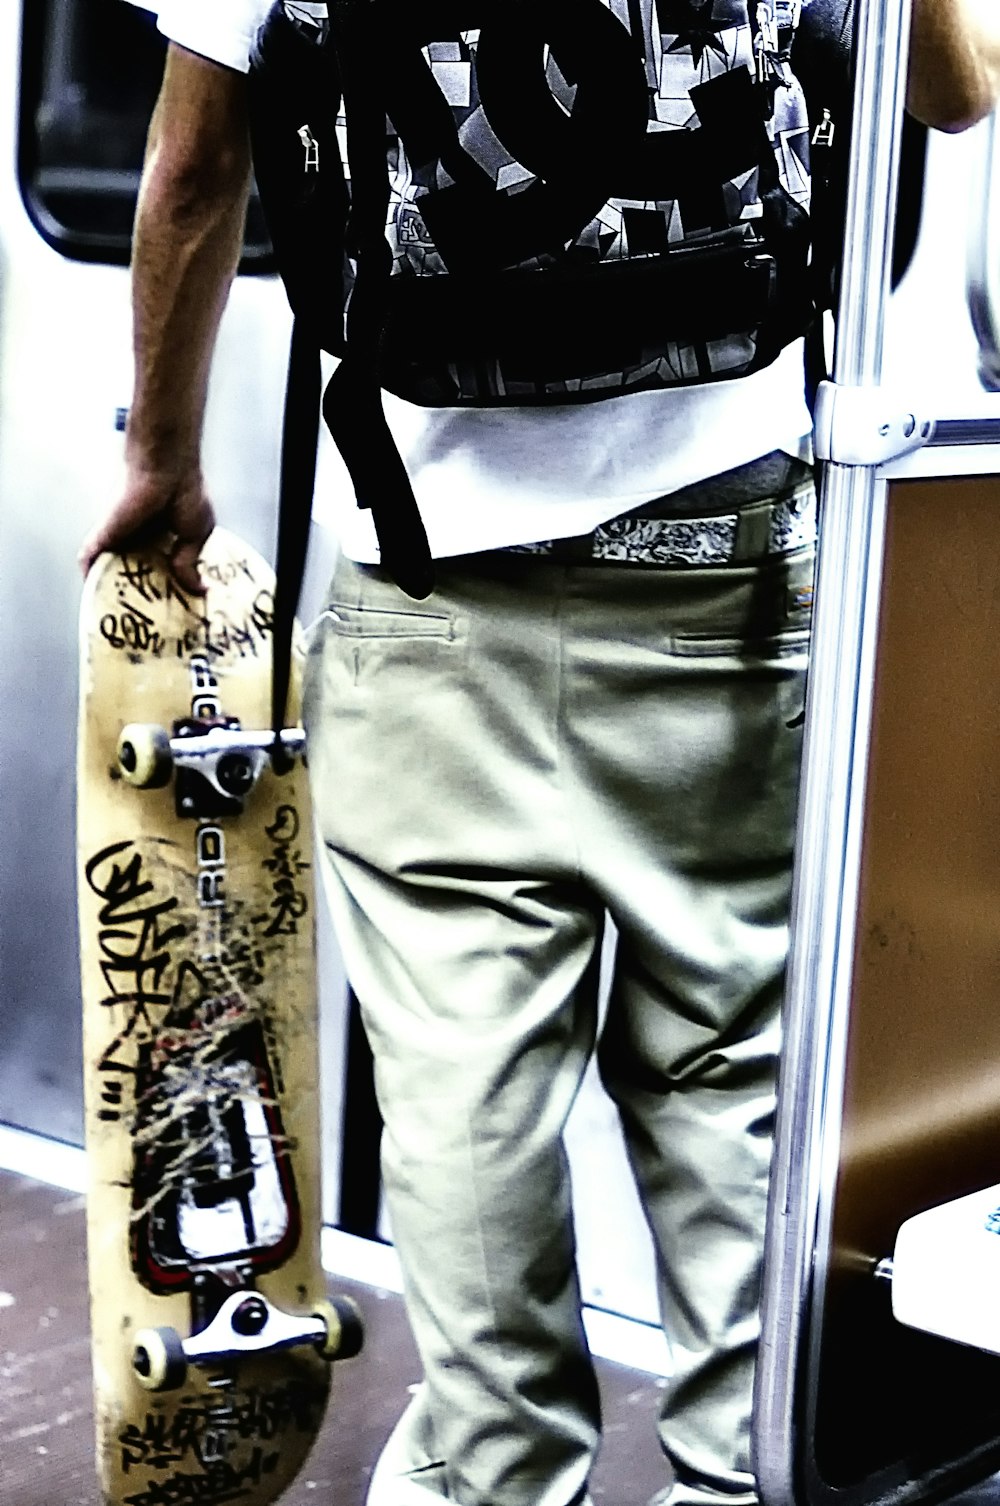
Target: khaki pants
[493,768]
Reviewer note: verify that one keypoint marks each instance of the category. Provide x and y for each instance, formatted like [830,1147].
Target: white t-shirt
[222,30]
[484,478]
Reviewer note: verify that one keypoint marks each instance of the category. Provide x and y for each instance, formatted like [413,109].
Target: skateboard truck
[216,762]
[246,1324]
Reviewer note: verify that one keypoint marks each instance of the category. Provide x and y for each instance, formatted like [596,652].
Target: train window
[90,72]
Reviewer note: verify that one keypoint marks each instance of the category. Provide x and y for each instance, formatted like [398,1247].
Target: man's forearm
[188,235]
[954,62]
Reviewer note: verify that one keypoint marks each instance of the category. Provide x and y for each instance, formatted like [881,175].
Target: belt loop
[753,530]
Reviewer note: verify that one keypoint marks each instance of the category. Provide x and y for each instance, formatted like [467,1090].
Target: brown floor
[45,1403]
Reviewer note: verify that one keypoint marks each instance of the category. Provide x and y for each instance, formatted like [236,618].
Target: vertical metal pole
[883,31]
[838,717]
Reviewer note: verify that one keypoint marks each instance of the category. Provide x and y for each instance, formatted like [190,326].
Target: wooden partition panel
[922,1109]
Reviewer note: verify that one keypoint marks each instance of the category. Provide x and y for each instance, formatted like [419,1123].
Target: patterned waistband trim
[678,542]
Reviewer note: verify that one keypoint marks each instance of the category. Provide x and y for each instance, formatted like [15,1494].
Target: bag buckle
[311,145]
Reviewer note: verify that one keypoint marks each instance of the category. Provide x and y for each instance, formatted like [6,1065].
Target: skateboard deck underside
[200,1042]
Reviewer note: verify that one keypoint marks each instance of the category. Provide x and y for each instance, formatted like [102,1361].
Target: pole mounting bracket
[867,425]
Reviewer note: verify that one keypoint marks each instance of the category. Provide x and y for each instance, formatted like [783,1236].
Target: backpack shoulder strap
[299,438]
[352,405]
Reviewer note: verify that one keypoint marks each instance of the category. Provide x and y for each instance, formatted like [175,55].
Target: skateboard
[212,1333]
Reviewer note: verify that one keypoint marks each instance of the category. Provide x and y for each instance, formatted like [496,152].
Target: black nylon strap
[352,405]
[822,60]
[299,436]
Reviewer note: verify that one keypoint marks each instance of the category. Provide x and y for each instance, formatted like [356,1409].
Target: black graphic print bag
[579,197]
[519,201]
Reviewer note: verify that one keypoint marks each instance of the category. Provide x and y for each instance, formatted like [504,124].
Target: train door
[890,1103]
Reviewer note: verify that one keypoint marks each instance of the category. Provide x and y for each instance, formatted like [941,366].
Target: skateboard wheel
[345,1330]
[144,756]
[158,1359]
